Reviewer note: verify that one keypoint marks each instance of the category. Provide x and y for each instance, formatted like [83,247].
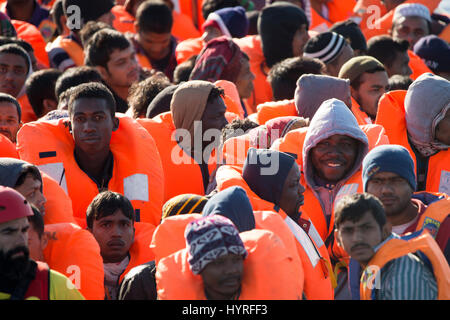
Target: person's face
[292,194]
[36,244]
[400,65]
[358,238]
[115,235]
[393,191]
[244,82]
[92,125]
[372,87]
[13,235]
[156,45]
[122,68]
[31,190]
[13,73]
[9,120]
[214,115]
[410,29]
[334,157]
[210,33]
[443,129]
[336,65]
[222,277]
[298,42]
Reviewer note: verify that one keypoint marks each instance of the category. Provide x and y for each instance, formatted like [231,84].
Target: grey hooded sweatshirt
[333,117]
[10,170]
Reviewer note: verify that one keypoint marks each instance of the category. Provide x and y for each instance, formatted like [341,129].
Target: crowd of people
[224,150]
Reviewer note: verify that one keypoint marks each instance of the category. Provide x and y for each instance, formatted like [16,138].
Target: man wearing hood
[424,129]
[283,31]
[25,178]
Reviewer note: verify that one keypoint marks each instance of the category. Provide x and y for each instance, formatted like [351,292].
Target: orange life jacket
[7,148]
[361,117]
[417,65]
[262,91]
[445,34]
[75,253]
[313,253]
[269,272]
[183,28]
[231,98]
[140,251]
[28,114]
[182,175]
[188,48]
[435,214]
[392,103]
[319,23]
[137,171]
[383,24]
[396,248]
[123,21]
[28,32]
[73,49]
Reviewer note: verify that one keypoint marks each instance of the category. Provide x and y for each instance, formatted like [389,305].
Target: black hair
[4,97]
[183,70]
[385,48]
[28,169]
[351,31]
[154,16]
[215,93]
[143,92]
[75,76]
[93,90]
[105,204]
[237,127]
[40,86]
[56,13]
[37,221]
[354,207]
[13,48]
[357,81]
[283,75]
[399,82]
[90,28]
[209,6]
[102,44]
[252,17]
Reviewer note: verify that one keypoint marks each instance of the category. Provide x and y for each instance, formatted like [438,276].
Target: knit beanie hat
[389,158]
[325,46]
[90,9]
[411,10]
[233,21]
[210,238]
[356,66]
[435,52]
[277,25]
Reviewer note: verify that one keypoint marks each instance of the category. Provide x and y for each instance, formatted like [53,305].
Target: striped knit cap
[183,204]
[325,46]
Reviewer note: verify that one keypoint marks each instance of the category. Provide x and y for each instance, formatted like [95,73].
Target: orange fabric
[391,115]
[434,215]
[182,174]
[28,114]
[140,251]
[143,61]
[396,248]
[318,23]
[58,208]
[262,91]
[340,10]
[7,148]
[445,34]
[417,65]
[273,109]
[231,99]
[360,115]
[188,48]
[137,171]
[73,49]
[123,21]
[75,253]
[234,150]
[269,272]
[384,23]
[183,27]
[28,32]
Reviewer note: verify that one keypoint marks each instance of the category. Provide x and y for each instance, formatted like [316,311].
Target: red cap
[13,205]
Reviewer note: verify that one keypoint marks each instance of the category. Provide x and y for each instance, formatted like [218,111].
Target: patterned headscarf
[219,60]
[210,238]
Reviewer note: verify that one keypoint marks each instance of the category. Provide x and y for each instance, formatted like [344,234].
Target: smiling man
[112,54]
[110,217]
